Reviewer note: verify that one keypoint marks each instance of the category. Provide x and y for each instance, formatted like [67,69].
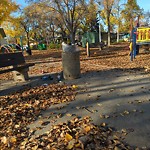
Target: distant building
[93,38]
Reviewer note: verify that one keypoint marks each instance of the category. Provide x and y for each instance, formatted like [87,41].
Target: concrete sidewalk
[120,98]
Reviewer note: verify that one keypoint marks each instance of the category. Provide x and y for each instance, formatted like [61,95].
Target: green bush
[54,46]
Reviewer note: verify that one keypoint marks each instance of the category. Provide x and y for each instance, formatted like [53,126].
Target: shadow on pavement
[119,97]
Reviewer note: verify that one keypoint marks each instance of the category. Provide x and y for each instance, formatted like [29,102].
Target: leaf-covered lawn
[116,56]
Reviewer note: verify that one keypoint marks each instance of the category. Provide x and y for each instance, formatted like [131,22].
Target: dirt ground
[112,89]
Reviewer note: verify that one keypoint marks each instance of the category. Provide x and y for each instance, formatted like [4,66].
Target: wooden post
[88,49]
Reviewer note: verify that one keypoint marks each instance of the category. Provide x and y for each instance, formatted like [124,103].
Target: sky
[145,4]
[21,2]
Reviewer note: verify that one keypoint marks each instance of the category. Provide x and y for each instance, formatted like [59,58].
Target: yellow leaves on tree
[91,15]
[6,8]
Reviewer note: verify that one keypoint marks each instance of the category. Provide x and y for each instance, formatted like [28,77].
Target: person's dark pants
[137,49]
[29,51]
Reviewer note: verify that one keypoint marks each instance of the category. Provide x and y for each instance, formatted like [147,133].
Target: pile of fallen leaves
[77,134]
[23,107]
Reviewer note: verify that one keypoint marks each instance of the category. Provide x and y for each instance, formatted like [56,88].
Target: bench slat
[11,59]
[17,68]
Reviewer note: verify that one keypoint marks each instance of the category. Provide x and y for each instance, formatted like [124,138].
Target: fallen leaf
[35,147]
[87,128]
[77,145]
[4,140]
[74,86]
[139,101]
[103,124]
[111,90]
[102,116]
[13,139]
[69,115]
[71,144]
[126,112]
[99,104]
[68,137]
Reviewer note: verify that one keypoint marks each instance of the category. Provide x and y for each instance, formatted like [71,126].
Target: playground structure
[10,48]
[5,47]
[143,35]
[140,36]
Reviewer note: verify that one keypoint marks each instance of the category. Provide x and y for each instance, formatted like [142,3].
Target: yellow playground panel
[143,35]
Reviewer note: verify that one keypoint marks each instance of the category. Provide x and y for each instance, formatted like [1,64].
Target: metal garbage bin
[71,64]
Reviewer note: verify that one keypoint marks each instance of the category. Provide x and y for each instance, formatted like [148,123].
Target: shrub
[54,46]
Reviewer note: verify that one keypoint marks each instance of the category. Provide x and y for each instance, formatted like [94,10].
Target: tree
[118,6]
[146,19]
[26,25]
[91,17]
[61,28]
[72,12]
[130,13]
[45,23]
[41,21]
[13,29]
[107,10]
[6,8]
[90,21]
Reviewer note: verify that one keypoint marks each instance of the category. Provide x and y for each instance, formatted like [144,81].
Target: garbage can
[41,46]
[71,64]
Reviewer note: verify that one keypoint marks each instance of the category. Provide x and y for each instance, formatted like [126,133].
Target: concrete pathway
[119,98]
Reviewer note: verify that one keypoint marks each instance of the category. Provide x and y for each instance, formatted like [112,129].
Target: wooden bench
[15,62]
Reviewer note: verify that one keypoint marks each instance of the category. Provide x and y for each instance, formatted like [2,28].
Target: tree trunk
[108,35]
[28,40]
[47,39]
[72,38]
[118,35]
[28,43]
[108,21]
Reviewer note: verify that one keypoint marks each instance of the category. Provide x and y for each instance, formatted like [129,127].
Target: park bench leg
[21,75]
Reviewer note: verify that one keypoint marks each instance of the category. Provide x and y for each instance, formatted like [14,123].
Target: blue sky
[145,4]
[20,2]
